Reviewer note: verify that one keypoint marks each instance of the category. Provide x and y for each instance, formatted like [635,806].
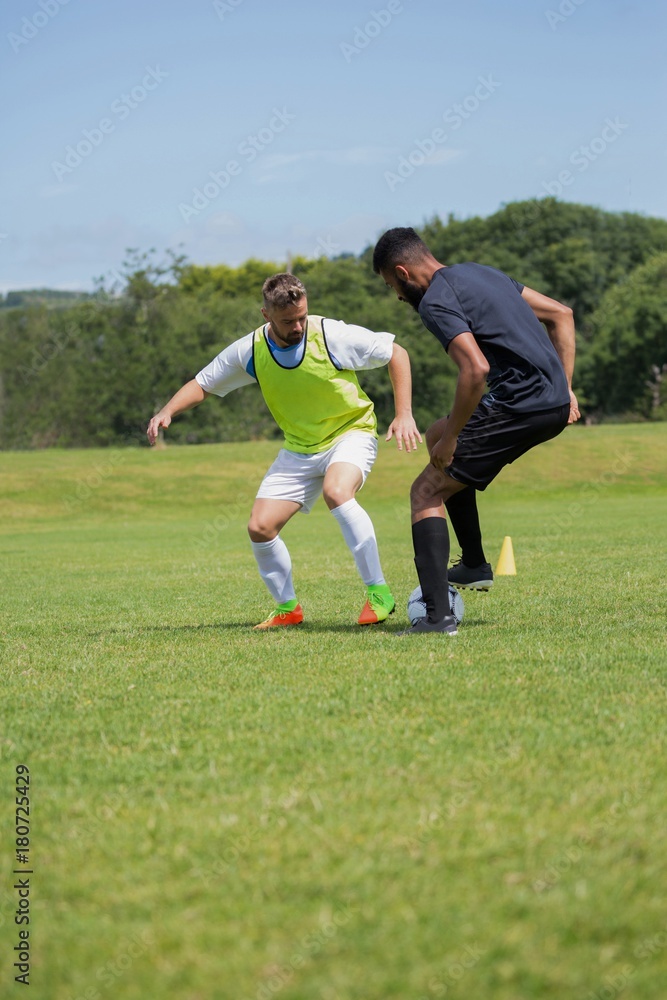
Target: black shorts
[493,438]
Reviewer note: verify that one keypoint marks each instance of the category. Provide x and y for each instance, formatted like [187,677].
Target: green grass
[333,812]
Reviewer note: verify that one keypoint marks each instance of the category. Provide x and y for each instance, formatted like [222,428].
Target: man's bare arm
[470,387]
[403,425]
[188,396]
[559,321]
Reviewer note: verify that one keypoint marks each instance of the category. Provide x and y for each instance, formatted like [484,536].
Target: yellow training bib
[315,403]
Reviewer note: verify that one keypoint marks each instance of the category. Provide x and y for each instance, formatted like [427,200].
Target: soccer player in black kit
[514,390]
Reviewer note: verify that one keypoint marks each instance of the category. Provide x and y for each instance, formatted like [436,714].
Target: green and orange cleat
[379,605]
[289,613]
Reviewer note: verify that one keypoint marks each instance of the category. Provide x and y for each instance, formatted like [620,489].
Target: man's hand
[404,429]
[574,409]
[160,419]
[442,452]
[189,395]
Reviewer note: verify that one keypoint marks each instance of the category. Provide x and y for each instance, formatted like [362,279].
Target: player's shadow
[395,623]
[146,629]
[392,628]
[306,628]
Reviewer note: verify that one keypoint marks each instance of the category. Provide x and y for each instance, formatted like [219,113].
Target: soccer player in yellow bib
[305,366]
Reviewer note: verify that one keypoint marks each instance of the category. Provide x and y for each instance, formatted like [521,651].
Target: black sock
[462,511]
[430,539]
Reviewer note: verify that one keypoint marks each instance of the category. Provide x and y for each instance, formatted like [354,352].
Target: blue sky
[322,124]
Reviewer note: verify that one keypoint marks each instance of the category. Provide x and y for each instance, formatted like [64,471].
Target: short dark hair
[281,290]
[398,245]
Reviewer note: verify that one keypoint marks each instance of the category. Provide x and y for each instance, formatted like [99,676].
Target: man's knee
[260,529]
[336,494]
[422,494]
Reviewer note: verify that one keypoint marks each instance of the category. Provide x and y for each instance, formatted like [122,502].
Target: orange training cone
[506,565]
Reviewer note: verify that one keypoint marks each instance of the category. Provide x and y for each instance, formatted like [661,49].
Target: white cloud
[231,240]
[106,238]
[366,155]
[273,161]
[441,156]
[272,167]
[353,156]
[224,222]
[71,256]
[58,286]
[56,190]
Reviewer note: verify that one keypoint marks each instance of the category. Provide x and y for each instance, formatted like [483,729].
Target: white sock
[359,534]
[275,568]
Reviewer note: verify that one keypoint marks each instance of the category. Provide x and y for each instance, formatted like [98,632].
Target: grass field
[333,812]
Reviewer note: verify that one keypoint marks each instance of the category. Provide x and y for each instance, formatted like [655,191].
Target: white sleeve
[356,348]
[229,370]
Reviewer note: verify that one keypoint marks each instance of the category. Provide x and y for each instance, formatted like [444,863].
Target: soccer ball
[417,605]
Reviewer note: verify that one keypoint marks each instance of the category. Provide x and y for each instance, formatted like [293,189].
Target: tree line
[92,373]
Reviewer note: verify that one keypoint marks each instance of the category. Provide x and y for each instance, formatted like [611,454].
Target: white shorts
[298,477]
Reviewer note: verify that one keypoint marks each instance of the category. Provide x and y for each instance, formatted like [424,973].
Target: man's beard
[411,292]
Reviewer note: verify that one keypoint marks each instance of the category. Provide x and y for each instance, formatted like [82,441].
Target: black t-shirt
[526,373]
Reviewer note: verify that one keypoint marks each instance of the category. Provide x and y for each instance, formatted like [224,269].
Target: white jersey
[352,348]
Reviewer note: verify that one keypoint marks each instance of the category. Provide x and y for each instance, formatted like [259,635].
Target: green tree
[93,371]
[628,341]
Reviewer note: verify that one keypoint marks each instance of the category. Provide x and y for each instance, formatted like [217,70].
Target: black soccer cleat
[471,577]
[446,624]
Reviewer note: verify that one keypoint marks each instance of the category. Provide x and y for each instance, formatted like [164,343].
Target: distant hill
[52,298]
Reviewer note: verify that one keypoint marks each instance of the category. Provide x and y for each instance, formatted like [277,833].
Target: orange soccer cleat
[278,618]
